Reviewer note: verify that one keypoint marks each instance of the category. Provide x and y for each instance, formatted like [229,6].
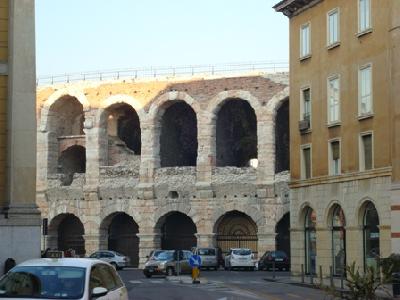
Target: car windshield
[117,253]
[207,252]
[156,253]
[43,282]
[242,252]
[165,255]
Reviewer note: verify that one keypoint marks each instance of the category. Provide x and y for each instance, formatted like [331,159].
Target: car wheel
[170,271]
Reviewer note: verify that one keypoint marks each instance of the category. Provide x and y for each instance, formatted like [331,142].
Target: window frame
[330,157]
[308,54]
[360,69]
[302,161]
[361,151]
[329,79]
[335,43]
[367,29]
[302,102]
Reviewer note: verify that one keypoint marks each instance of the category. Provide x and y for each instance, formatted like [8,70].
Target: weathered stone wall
[118,181]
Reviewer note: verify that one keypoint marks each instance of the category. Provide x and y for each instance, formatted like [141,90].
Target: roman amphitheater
[134,165]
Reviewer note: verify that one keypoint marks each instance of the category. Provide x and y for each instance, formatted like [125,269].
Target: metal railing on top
[172,71]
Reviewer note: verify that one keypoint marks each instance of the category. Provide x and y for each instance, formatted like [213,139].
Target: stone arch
[360,210]
[250,211]
[327,218]
[282,136]
[66,231]
[162,102]
[177,231]
[118,232]
[45,109]
[282,230]
[302,213]
[176,207]
[277,100]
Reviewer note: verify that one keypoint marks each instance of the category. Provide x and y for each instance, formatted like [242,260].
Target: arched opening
[123,132]
[71,161]
[282,135]
[236,134]
[338,224]
[65,127]
[371,236]
[177,232]
[236,230]
[282,238]
[122,237]
[70,235]
[178,137]
[310,246]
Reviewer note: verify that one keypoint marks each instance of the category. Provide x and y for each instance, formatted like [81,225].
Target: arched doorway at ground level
[70,232]
[177,232]
[122,236]
[236,230]
[282,238]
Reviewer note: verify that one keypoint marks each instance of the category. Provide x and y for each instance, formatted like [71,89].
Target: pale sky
[87,35]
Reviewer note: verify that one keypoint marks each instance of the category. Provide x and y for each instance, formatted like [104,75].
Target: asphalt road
[215,285]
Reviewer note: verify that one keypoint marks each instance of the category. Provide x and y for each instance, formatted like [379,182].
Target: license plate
[151,270]
[279,259]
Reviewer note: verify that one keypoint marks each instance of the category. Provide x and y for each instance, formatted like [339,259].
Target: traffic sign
[195,261]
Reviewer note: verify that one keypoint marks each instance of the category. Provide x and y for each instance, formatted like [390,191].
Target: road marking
[135,281]
[223,298]
[157,281]
[293,295]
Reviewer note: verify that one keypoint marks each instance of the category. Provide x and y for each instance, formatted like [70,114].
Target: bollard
[320,276]
[331,275]
[273,269]
[341,279]
[312,278]
[195,275]
[302,273]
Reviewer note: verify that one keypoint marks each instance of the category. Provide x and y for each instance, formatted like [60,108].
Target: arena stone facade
[104,183]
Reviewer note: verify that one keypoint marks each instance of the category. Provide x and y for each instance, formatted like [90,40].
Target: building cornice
[292,8]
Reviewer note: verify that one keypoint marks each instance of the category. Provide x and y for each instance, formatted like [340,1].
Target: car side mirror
[147,256]
[98,292]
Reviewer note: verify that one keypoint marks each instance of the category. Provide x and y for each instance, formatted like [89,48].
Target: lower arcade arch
[178,231]
[69,231]
[282,238]
[120,231]
[235,229]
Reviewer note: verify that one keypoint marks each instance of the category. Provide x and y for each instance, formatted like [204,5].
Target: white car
[240,258]
[118,260]
[63,278]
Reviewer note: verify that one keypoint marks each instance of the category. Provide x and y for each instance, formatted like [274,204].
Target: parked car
[168,262]
[63,278]
[118,260]
[240,258]
[280,258]
[209,257]
[154,253]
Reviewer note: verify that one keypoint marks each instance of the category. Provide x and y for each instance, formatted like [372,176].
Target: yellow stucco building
[19,217]
[344,66]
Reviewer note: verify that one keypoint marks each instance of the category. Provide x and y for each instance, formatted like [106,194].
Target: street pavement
[216,285]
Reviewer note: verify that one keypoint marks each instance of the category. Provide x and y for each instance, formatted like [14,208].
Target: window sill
[304,132]
[364,32]
[365,116]
[334,124]
[305,57]
[333,46]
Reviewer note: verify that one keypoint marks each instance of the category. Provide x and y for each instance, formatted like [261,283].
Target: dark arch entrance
[178,137]
[122,237]
[236,230]
[236,134]
[70,235]
[177,232]
[282,136]
[282,238]
[71,161]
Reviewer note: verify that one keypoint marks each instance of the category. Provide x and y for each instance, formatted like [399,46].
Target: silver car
[209,257]
[118,260]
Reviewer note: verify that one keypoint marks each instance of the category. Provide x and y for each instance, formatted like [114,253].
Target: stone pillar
[297,250]
[206,154]
[266,242]
[150,158]
[394,48]
[266,149]
[206,240]
[324,250]
[354,246]
[92,243]
[20,225]
[92,135]
[147,243]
